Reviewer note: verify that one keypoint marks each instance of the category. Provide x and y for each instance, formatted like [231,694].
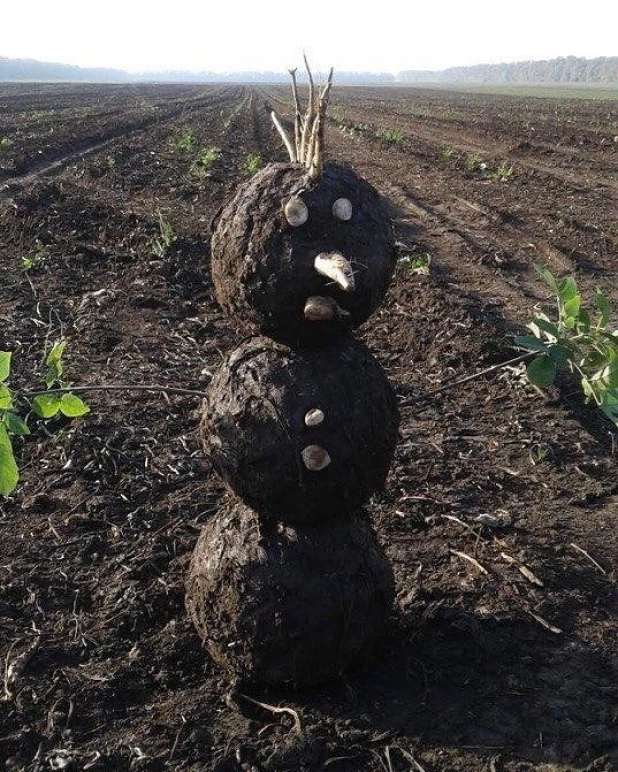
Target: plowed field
[482,668]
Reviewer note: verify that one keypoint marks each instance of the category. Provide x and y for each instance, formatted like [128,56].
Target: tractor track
[64,157]
[430,140]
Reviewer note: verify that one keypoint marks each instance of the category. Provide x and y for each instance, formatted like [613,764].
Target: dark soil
[254,427]
[477,671]
[277,604]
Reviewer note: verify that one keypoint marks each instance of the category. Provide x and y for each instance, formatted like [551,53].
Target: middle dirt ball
[301,434]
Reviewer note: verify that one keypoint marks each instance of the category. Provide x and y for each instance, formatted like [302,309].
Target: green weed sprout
[418,264]
[474,163]
[503,173]
[574,341]
[390,136]
[252,164]
[54,400]
[166,237]
[185,142]
[206,159]
[35,259]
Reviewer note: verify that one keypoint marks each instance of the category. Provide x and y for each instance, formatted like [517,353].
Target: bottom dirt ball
[276,604]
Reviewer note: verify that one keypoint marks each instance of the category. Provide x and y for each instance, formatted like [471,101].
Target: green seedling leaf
[560,354]
[609,375]
[531,343]
[588,390]
[592,362]
[540,324]
[72,406]
[572,342]
[46,405]
[547,277]
[5,365]
[6,398]
[9,474]
[611,337]
[598,377]
[572,306]
[583,323]
[602,303]
[57,350]
[542,371]
[54,363]
[609,406]
[15,424]
[567,289]
[54,371]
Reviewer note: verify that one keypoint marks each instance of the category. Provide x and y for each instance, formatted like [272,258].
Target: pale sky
[228,35]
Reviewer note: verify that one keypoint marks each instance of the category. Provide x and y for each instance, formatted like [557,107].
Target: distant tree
[569,69]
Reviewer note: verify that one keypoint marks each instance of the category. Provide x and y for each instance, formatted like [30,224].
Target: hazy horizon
[190,37]
[283,72]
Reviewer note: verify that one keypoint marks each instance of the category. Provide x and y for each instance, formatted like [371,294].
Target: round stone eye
[296,212]
[342,209]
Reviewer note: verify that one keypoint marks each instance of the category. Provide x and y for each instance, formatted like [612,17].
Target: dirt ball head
[284,239]
[282,604]
[301,435]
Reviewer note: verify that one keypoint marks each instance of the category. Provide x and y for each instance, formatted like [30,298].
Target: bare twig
[316,158]
[590,558]
[177,738]
[523,569]
[544,623]
[13,669]
[298,119]
[515,361]
[459,381]
[411,759]
[114,387]
[311,143]
[460,522]
[284,136]
[309,115]
[470,559]
[276,710]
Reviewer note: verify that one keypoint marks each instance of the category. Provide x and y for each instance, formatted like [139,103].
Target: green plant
[36,259]
[503,173]
[5,142]
[447,153]
[390,136]
[475,163]
[337,116]
[55,399]
[206,159]
[235,113]
[252,164]
[574,341]
[417,264]
[185,142]
[165,239]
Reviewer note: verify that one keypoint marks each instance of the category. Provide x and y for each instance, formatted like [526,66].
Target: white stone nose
[336,267]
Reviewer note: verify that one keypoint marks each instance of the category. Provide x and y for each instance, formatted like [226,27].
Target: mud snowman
[287,583]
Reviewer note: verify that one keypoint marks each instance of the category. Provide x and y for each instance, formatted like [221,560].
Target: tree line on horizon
[564,69]
[569,69]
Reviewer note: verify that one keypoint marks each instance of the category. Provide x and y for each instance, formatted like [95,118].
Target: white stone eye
[314,417]
[342,209]
[296,212]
